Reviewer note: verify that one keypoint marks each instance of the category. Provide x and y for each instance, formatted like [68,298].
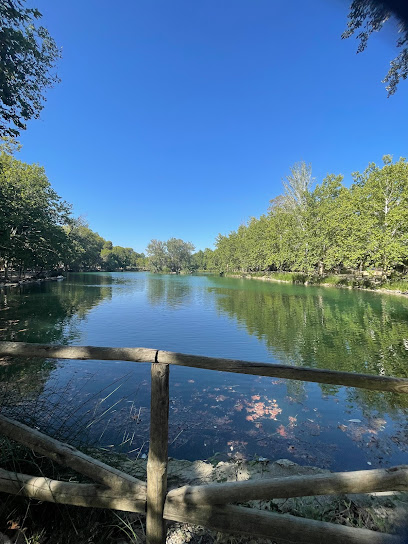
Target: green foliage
[85,246]
[171,256]
[32,216]
[398,285]
[381,205]
[327,228]
[120,258]
[204,260]
[37,230]
[28,54]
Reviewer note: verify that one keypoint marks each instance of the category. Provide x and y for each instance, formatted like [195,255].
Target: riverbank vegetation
[174,256]
[315,230]
[323,233]
[38,231]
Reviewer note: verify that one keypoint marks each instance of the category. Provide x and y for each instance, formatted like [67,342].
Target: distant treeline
[310,228]
[37,229]
[325,227]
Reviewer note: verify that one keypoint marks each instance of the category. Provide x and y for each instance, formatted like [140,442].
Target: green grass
[357,282]
[397,285]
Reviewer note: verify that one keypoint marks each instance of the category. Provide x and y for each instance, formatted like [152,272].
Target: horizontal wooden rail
[362,481]
[144,355]
[280,528]
[24,349]
[192,504]
[228,519]
[76,494]
[67,455]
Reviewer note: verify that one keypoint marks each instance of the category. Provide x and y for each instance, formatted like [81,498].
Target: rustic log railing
[207,505]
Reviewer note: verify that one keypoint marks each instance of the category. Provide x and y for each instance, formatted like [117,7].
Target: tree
[368,16]
[28,55]
[257,243]
[179,254]
[157,253]
[298,202]
[118,257]
[325,236]
[203,260]
[227,258]
[175,255]
[381,204]
[85,246]
[32,216]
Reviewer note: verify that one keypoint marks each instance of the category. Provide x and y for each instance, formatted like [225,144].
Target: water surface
[212,413]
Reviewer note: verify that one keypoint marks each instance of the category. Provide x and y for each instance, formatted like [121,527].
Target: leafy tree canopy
[174,255]
[32,216]
[28,55]
[368,16]
[37,230]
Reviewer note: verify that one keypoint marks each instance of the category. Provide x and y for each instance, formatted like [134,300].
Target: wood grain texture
[362,481]
[76,494]
[67,455]
[158,458]
[280,528]
[144,355]
[350,379]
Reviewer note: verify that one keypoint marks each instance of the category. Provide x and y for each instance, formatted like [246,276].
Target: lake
[212,413]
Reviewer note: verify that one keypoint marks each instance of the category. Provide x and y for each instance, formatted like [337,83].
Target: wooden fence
[206,505]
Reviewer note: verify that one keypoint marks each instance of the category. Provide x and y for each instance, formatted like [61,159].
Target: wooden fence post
[157,460]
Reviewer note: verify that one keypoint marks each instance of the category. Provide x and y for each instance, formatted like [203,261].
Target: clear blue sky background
[180,118]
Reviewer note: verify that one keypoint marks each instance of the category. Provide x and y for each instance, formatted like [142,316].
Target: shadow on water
[48,312]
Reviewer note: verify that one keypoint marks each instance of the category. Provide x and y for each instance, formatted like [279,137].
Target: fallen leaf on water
[282,431]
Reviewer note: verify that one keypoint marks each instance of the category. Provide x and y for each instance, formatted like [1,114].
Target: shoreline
[382,512]
[28,281]
[380,290]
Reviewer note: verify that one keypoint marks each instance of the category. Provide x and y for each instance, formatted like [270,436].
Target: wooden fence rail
[147,355]
[230,519]
[157,460]
[361,481]
[203,505]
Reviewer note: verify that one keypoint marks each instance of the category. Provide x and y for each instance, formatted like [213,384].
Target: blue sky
[180,118]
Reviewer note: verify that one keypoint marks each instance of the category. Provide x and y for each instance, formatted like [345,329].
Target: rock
[285,463]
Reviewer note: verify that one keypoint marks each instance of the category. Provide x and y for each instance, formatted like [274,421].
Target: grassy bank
[373,283]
